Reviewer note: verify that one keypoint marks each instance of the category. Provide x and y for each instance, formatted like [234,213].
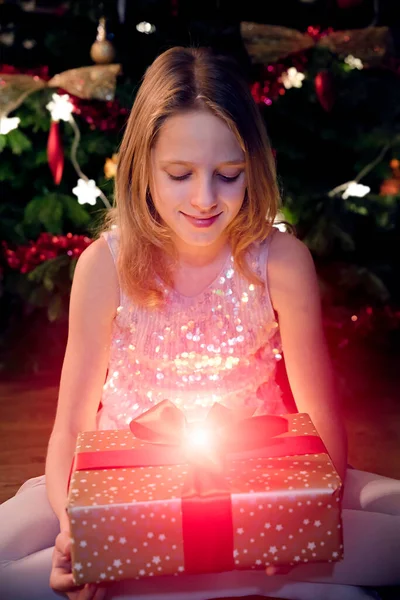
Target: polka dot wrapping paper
[129,522]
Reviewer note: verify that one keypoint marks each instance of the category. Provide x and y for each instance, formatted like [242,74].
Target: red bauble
[55,153]
[348,3]
[324,87]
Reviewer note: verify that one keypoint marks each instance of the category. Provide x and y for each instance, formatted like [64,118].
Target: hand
[61,576]
[271,570]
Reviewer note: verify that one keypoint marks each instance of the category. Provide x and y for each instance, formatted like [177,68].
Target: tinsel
[96,82]
[27,257]
[105,116]
[271,43]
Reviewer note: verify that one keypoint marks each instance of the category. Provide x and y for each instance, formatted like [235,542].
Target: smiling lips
[201,222]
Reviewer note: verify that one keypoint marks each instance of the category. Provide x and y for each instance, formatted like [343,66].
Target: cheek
[166,194]
[233,193]
[172,197]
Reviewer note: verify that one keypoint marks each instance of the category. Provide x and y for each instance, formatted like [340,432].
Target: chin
[198,243]
[202,238]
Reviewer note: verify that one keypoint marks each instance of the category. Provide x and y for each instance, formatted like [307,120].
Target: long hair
[183,79]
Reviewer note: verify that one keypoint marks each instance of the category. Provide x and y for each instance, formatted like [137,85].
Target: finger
[100,593]
[62,582]
[282,570]
[61,566]
[63,543]
[60,560]
[91,591]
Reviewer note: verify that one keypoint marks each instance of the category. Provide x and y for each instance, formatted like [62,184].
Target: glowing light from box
[199,436]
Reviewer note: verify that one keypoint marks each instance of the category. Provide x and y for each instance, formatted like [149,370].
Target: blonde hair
[183,79]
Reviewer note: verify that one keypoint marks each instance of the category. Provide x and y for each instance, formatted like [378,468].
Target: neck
[201,256]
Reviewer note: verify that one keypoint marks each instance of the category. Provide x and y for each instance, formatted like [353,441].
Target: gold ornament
[270,43]
[110,166]
[96,82]
[102,51]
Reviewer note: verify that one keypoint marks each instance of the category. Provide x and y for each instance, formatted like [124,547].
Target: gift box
[164,499]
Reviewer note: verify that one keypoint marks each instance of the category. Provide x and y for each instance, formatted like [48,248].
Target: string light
[145,27]
[60,108]
[86,191]
[292,78]
[356,189]
[8,124]
[353,188]
[278,224]
[353,62]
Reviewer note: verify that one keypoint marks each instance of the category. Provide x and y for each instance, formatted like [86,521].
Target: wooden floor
[26,419]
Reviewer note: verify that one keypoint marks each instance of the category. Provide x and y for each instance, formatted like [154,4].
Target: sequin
[221,346]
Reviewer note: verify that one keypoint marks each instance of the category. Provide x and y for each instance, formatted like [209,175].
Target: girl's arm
[295,296]
[93,304]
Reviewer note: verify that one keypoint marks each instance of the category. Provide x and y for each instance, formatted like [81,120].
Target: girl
[191,294]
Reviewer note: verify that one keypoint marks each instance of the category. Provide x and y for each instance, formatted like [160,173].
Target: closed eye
[180,177]
[187,175]
[230,179]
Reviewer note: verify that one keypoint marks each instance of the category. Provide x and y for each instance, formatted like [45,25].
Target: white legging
[371,529]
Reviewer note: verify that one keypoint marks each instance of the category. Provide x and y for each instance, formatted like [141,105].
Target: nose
[204,199]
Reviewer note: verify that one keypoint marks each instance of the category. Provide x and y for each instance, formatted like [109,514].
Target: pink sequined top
[221,345]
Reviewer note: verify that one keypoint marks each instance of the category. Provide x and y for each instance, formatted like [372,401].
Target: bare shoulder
[291,271]
[96,256]
[95,277]
[288,250]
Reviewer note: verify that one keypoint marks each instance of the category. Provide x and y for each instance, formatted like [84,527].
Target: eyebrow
[232,163]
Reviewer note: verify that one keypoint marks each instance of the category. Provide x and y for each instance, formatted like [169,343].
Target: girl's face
[198,179]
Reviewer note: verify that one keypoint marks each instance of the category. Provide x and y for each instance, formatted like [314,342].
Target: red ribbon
[206,502]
